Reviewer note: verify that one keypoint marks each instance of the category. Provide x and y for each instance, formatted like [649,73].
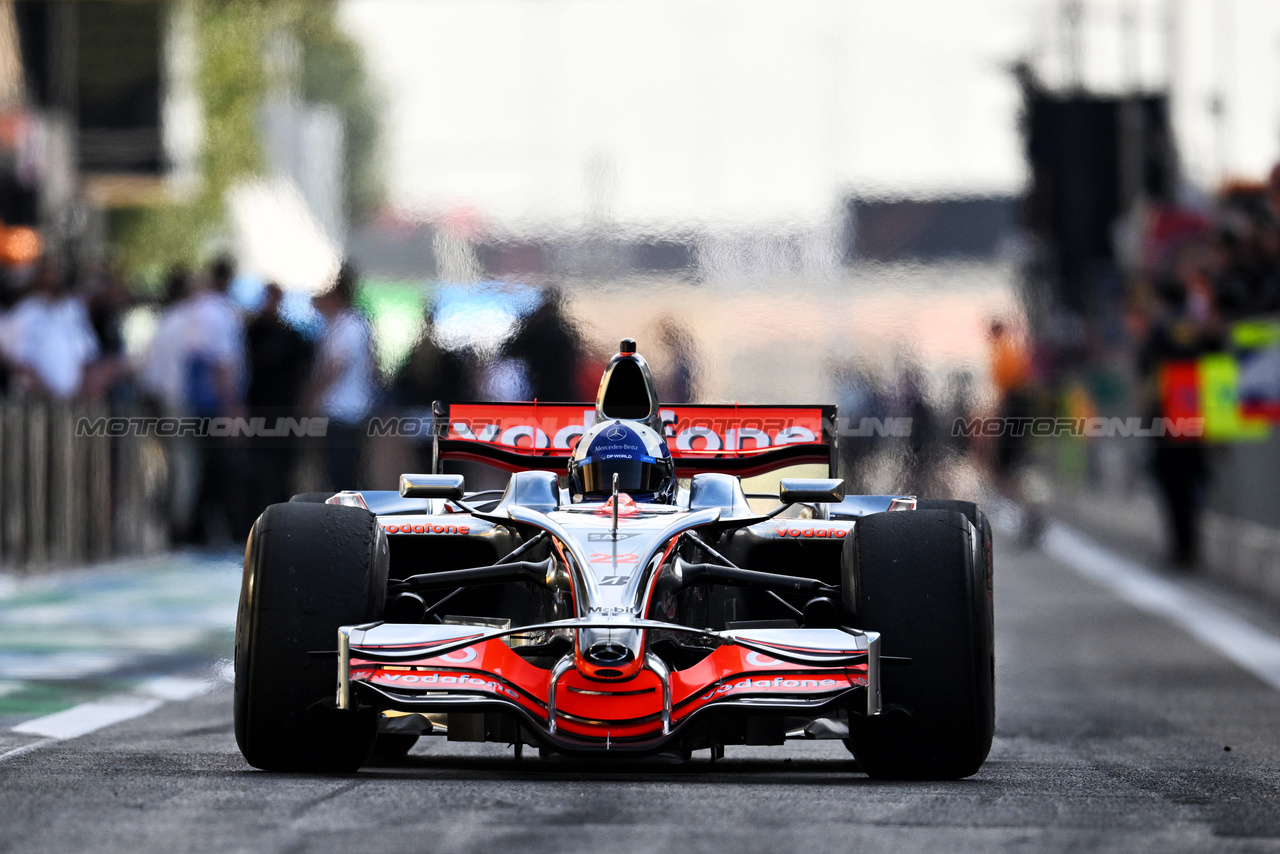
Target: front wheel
[917,578]
[308,569]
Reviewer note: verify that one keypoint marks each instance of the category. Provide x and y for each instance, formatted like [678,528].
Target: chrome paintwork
[664,676]
[612,572]
[392,642]
[562,667]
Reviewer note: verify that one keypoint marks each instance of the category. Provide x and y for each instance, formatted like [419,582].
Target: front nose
[609,654]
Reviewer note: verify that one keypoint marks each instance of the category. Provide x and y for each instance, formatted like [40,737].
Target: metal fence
[71,499]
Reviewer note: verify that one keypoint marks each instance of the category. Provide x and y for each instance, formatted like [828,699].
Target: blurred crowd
[1198,270]
[1190,271]
[62,340]
[205,354]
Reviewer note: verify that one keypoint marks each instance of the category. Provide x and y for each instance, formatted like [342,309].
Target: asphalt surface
[1117,730]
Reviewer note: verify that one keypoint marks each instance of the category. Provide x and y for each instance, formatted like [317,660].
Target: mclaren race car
[624,596]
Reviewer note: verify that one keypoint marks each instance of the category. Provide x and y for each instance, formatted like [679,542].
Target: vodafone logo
[408,528]
[787,685]
[759,659]
[447,682]
[458,656]
[812,533]
[692,430]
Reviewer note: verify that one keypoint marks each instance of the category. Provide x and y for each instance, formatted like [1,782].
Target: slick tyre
[308,569]
[983,605]
[917,578]
[976,518]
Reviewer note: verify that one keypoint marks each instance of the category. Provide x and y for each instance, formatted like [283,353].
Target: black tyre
[983,605]
[917,578]
[311,498]
[976,518]
[308,569]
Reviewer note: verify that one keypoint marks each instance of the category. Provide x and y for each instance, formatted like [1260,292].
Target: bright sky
[645,112]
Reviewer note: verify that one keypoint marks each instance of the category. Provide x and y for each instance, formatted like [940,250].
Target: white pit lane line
[1215,627]
[96,714]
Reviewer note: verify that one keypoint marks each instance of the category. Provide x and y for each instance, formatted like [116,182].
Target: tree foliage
[231,81]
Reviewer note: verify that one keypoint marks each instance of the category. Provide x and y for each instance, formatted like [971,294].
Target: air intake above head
[627,389]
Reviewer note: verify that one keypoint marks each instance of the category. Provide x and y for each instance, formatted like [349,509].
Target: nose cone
[609,654]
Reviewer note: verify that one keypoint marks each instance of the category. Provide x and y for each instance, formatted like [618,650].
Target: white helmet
[632,451]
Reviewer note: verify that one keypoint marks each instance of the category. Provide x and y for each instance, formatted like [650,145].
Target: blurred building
[101,109]
[930,229]
[91,107]
[1093,158]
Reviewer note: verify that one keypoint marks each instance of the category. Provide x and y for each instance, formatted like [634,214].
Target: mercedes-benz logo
[616,433]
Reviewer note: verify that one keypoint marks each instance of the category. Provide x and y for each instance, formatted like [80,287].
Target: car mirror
[432,486]
[797,490]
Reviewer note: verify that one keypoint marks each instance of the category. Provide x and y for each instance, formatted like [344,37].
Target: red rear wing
[742,440]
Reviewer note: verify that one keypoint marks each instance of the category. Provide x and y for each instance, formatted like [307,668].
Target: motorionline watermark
[216,427]
[761,433]
[1096,427]
[707,435]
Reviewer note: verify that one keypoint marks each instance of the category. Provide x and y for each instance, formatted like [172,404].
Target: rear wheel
[916,578]
[308,569]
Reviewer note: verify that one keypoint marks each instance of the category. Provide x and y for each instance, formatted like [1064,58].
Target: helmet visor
[633,476]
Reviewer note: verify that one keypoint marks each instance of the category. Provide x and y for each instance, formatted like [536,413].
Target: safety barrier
[72,499]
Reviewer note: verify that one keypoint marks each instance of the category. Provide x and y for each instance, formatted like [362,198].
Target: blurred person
[586,380]
[678,379]
[858,399]
[48,339]
[912,400]
[1182,332]
[429,374]
[280,361]
[160,375]
[162,387]
[505,378]
[108,300]
[1228,267]
[551,348]
[213,360]
[1013,378]
[342,386]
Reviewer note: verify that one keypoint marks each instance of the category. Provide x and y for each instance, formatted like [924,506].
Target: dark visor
[633,476]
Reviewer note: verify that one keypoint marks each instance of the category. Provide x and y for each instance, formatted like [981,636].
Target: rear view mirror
[432,486]
[797,490]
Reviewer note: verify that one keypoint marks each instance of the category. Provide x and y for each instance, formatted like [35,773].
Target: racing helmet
[636,453]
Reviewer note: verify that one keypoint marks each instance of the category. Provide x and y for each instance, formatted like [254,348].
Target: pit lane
[1117,730]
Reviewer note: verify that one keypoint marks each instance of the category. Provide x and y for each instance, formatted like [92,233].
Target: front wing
[426,669]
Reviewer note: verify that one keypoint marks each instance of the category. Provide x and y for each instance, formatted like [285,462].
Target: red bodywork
[743,440]
[615,709]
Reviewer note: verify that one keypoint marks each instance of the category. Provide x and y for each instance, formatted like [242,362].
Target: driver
[634,452]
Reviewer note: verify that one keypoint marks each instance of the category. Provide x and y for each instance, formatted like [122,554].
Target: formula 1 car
[622,597]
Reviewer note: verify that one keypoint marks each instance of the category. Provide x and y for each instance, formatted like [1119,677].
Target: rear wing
[740,440]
